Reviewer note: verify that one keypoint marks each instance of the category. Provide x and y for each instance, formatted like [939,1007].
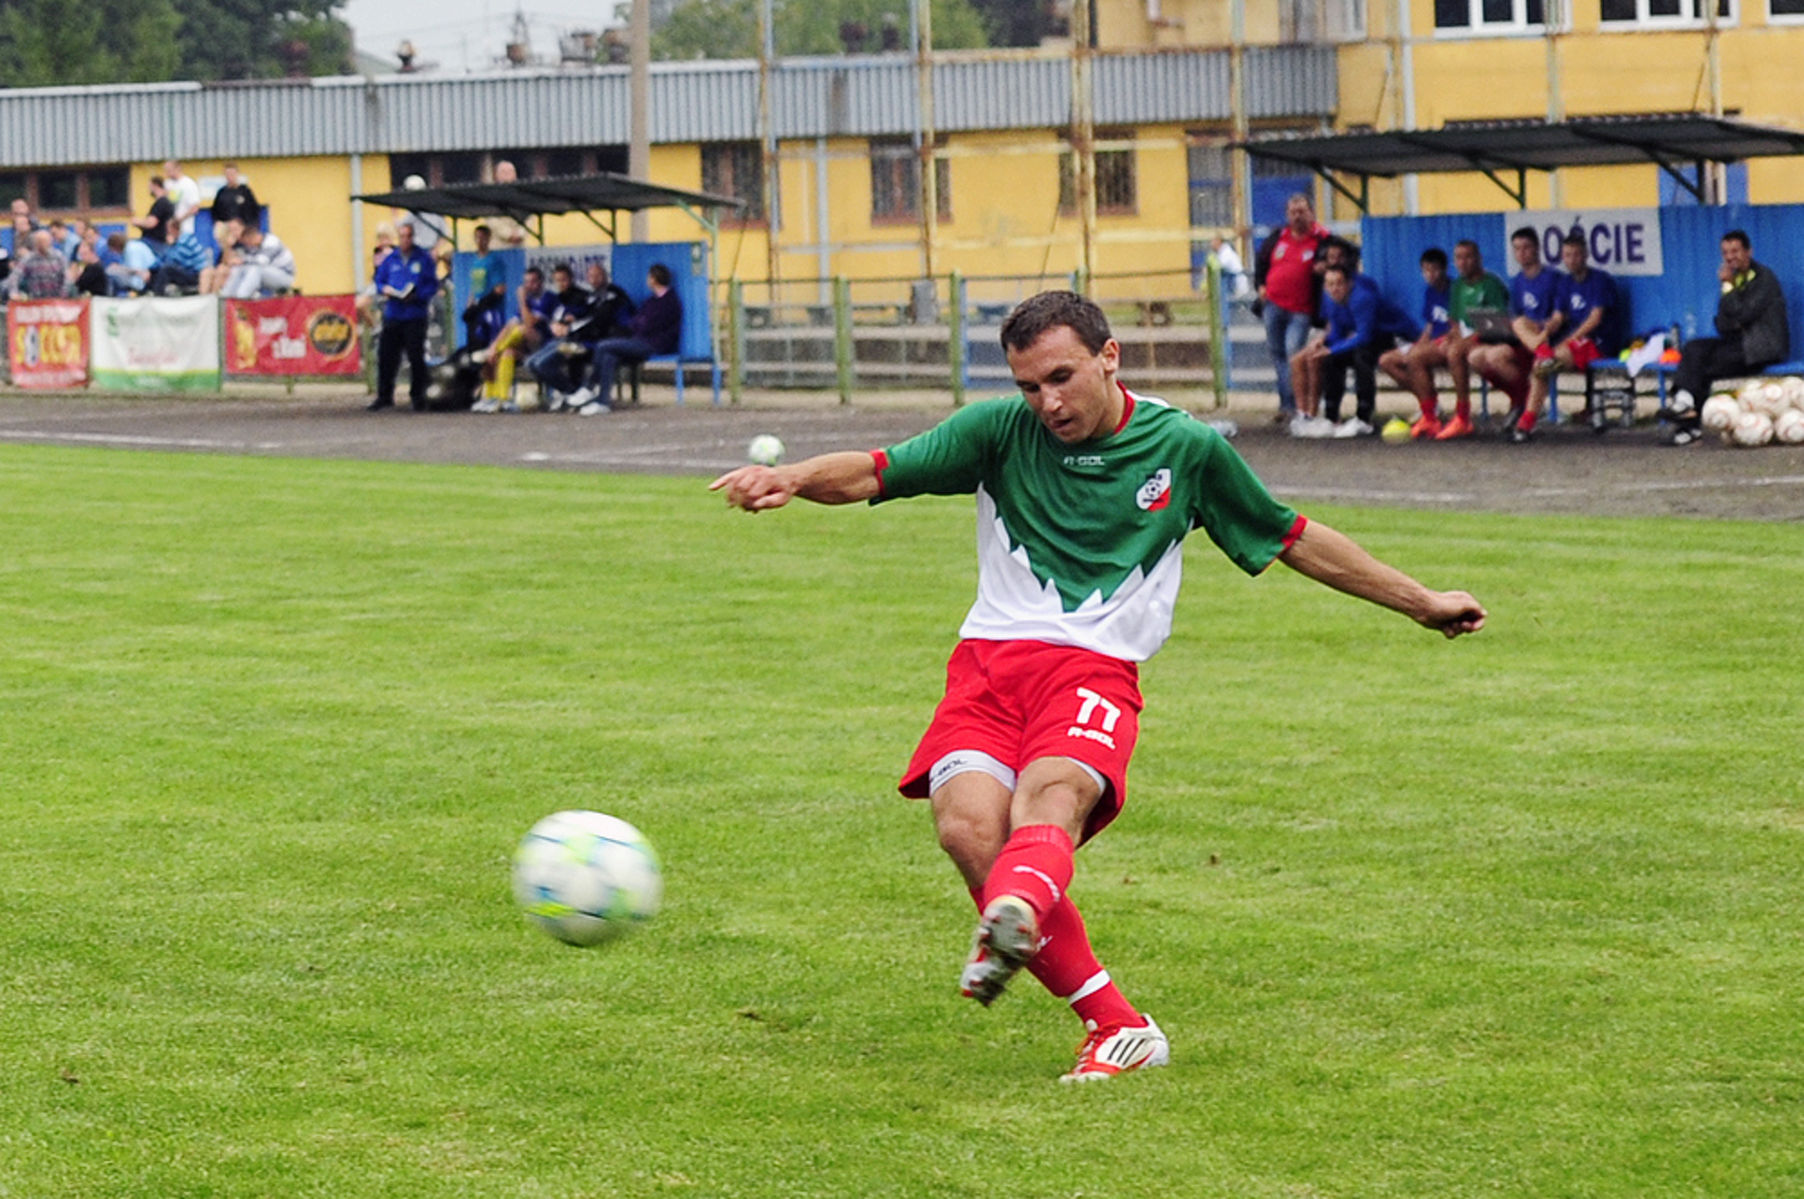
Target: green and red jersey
[1082,544]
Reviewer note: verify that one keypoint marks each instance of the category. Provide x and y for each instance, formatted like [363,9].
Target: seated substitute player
[1472,287]
[1085,492]
[1362,324]
[1579,332]
[1752,334]
[1429,348]
[1506,365]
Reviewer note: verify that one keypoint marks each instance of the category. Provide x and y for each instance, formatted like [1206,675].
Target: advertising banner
[293,335]
[156,344]
[47,342]
[1622,241]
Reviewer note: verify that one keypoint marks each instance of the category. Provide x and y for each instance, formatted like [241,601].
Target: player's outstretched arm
[1338,561]
[841,478]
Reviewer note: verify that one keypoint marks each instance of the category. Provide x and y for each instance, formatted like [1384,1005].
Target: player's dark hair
[485,229]
[1527,231]
[1037,315]
[533,270]
[1338,268]
[659,274]
[1741,236]
[1575,238]
[1464,242]
[1435,255]
[564,267]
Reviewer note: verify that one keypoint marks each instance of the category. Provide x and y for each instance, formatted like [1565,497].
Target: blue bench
[678,363]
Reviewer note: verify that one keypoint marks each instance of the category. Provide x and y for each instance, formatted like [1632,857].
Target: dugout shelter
[601,198]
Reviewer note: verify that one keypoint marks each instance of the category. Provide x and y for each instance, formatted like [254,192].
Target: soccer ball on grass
[584,877]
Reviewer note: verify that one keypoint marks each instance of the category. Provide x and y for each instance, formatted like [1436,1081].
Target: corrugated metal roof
[691,102]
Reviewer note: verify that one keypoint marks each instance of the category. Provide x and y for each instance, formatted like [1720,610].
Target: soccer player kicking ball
[1085,492]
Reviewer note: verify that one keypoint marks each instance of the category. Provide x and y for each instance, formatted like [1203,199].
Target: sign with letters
[293,335]
[1622,241]
[47,342]
[156,344]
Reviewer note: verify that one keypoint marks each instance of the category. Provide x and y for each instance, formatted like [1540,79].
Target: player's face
[1736,256]
[1527,252]
[1466,261]
[1070,388]
[1572,258]
[1299,216]
[1338,285]
[1434,274]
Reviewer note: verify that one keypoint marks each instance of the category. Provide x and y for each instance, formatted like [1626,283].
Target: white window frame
[1643,20]
[1518,26]
[1345,20]
[1783,18]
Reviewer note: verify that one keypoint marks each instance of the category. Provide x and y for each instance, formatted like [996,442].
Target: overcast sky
[467,35]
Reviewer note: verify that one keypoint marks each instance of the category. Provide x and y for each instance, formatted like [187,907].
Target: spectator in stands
[65,239]
[509,232]
[179,272]
[1361,325]
[1430,345]
[155,223]
[1288,291]
[368,301]
[131,273]
[655,329]
[184,194]
[518,338]
[426,231]
[225,257]
[406,279]
[551,363]
[1507,365]
[264,266]
[1580,330]
[610,308]
[87,274]
[1752,334]
[21,212]
[41,273]
[235,201]
[1233,272]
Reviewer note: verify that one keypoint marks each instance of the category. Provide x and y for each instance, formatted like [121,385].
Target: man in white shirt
[184,193]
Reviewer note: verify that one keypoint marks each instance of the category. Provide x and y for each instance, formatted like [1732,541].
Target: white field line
[186,443]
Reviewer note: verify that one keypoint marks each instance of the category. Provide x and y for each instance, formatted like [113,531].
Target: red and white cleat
[1107,1052]
[1007,937]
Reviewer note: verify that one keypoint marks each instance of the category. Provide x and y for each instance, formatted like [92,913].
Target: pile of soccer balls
[1763,411]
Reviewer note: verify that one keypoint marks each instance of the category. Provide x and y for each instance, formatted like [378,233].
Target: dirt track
[1623,472]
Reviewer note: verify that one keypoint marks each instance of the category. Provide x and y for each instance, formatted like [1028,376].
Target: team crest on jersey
[1155,493]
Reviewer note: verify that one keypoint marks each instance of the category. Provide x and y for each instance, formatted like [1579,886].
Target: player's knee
[971,843]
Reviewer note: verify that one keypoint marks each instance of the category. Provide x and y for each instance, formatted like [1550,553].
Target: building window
[1489,16]
[1116,194]
[1665,12]
[896,181]
[736,170]
[82,189]
[1211,187]
[1786,11]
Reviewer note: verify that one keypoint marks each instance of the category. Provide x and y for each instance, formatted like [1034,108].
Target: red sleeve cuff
[880,460]
[1296,531]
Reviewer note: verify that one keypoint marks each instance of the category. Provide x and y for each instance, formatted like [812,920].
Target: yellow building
[1423,64]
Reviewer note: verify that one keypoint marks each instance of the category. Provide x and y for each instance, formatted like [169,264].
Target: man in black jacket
[1753,334]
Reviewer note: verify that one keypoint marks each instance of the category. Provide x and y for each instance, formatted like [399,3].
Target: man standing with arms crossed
[1290,289]
[1085,492]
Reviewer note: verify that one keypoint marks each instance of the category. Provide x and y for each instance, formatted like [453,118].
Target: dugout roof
[1503,150]
[530,201]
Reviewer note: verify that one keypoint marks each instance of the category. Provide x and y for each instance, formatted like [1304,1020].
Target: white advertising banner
[156,344]
[1622,241]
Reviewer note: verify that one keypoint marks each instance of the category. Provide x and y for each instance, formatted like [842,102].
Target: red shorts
[1022,700]
[1584,351]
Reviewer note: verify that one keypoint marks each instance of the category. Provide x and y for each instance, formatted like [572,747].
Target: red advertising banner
[293,335]
[47,342]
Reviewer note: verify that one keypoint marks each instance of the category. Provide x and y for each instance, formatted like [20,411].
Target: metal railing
[845,334]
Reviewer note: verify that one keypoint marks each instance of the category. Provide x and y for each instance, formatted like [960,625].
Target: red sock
[1528,419]
[1067,967]
[1035,865]
[1463,408]
[1430,406]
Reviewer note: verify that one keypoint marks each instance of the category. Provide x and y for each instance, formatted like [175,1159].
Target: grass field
[1511,916]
